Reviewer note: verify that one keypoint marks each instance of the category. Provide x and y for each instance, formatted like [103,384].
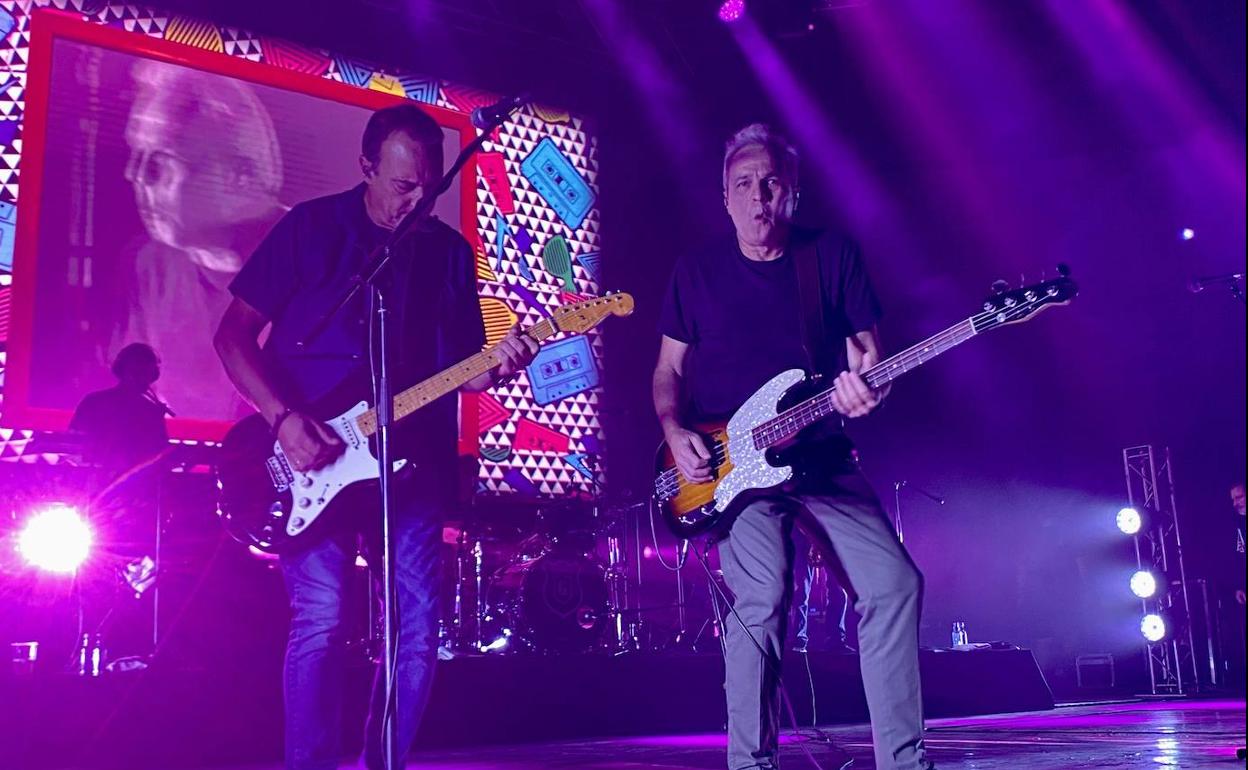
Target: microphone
[150,395]
[491,116]
[1197,285]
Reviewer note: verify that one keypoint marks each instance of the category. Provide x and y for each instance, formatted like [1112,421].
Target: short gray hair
[762,135]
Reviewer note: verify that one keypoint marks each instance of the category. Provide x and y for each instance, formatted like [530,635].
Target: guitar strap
[810,292]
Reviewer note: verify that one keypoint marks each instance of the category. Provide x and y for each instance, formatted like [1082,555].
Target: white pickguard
[750,467]
[312,492]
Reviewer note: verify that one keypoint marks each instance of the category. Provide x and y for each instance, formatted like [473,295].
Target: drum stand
[469,560]
[682,613]
[478,576]
[617,592]
[626,633]
[716,621]
[456,636]
[622,591]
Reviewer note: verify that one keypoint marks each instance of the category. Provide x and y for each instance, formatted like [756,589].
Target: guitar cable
[682,555]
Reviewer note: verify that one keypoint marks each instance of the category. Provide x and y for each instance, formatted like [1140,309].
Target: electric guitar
[745,450]
[264,502]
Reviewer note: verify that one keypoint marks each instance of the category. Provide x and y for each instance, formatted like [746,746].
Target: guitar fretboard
[449,380]
[790,422]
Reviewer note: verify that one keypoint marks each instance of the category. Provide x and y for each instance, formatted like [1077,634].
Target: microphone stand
[897,485]
[369,276]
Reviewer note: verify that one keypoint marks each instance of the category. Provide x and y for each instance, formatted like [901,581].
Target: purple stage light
[55,539]
[1187,233]
[1143,584]
[731,10]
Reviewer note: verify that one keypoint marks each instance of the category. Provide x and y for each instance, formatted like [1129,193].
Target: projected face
[203,156]
[404,170]
[177,197]
[1237,498]
[759,199]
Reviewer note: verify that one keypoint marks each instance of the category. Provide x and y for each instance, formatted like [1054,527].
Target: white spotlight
[1130,521]
[1143,584]
[55,538]
[1153,627]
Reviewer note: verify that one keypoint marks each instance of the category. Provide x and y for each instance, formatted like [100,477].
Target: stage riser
[187,718]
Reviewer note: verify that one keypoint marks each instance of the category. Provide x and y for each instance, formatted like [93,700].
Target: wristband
[277,424]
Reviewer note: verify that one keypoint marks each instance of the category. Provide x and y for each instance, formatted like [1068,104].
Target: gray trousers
[844,517]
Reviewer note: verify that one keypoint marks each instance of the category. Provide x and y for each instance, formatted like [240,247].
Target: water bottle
[959,636]
[90,655]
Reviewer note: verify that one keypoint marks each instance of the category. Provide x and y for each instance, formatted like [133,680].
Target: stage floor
[1181,734]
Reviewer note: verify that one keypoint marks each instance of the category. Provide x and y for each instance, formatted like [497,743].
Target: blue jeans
[316,580]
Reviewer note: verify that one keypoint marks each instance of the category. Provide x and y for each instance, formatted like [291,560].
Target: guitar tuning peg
[1000,287]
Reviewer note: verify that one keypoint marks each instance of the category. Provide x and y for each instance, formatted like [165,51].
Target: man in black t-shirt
[124,443]
[732,321]
[123,427]
[290,281]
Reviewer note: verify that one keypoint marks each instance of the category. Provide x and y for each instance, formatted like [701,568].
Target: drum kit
[559,585]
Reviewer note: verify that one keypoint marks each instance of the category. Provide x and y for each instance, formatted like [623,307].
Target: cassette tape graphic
[558,182]
[563,369]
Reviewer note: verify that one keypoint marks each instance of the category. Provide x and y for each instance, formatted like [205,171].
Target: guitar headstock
[1018,305]
[580,317]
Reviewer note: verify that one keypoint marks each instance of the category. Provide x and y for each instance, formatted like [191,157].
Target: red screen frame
[46,26]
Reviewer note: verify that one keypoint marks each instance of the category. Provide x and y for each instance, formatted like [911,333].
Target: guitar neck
[790,422]
[449,380]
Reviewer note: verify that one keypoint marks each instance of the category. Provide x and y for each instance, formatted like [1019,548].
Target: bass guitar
[745,449]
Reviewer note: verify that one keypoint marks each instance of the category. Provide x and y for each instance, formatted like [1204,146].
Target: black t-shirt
[742,318]
[300,271]
[121,428]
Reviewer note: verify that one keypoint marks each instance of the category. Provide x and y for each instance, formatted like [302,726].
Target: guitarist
[290,280]
[733,319]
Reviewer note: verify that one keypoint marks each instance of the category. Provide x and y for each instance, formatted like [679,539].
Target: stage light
[1143,584]
[1187,233]
[731,10]
[1130,521]
[55,538]
[1154,627]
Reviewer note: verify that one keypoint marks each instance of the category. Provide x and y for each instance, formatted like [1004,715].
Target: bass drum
[554,603]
